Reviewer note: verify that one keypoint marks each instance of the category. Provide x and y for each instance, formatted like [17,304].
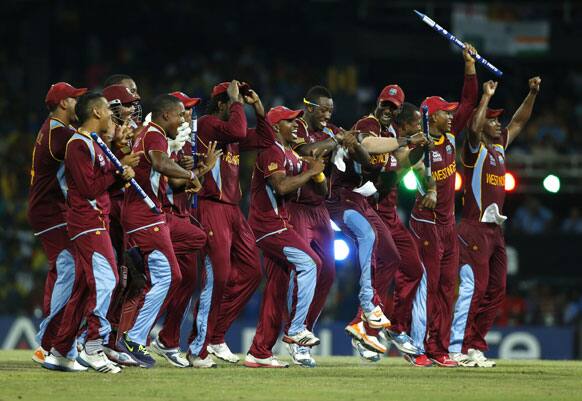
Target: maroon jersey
[484,177]
[355,174]
[136,214]
[89,174]
[222,184]
[308,194]
[268,213]
[177,201]
[48,187]
[443,165]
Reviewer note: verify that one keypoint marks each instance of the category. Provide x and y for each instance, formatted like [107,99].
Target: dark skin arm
[428,183]
[522,115]
[204,166]
[476,127]
[284,184]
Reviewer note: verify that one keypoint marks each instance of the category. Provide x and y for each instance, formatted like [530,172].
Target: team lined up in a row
[307,171]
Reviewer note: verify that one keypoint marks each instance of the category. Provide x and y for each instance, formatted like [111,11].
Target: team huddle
[127,207]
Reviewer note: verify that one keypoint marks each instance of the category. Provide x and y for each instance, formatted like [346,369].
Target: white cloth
[174,145]
[492,215]
[368,189]
[338,156]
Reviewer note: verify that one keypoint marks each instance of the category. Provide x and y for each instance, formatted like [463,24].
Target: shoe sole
[442,365]
[223,359]
[260,365]
[59,368]
[410,360]
[360,337]
[289,340]
[141,364]
[214,366]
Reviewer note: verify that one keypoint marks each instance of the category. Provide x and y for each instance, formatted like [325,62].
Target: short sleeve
[270,161]
[154,140]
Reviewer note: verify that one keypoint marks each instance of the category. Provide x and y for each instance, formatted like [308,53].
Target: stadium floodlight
[510,182]
[409,181]
[458,181]
[341,249]
[552,183]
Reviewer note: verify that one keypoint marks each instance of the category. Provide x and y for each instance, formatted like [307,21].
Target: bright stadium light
[552,183]
[510,182]
[334,226]
[458,181]
[341,249]
[409,181]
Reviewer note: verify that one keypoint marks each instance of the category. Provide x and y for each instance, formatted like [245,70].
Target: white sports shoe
[366,354]
[271,362]
[403,342]
[376,319]
[98,361]
[64,364]
[304,338]
[171,355]
[221,351]
[301,355]
[462,359]
[480,359]
[197,362]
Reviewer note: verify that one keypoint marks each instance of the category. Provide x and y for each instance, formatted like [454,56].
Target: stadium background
[282,48]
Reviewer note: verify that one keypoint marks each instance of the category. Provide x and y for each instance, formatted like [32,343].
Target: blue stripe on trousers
[466,291]
[203,310]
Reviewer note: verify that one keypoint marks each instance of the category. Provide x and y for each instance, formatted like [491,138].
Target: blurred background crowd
[282,49]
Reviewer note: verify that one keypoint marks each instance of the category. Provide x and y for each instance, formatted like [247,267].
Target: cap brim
[494,113]
[450,106]
[295,114]
[191,102]
[79,92]
[392,100]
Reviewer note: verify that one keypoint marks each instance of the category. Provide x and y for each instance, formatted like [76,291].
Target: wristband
[431,190]
[192,175]
[319,178]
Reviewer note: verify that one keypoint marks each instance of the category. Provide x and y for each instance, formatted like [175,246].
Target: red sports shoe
[418,360]
[445,362]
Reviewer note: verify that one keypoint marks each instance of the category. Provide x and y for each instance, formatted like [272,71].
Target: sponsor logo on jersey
[492,160]
[273,166]
[501,161]
[101,160]
[495,180]
[231,159]
[444,173]
[436,156]
[449,149]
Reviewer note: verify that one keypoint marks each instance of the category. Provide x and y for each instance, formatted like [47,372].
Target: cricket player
[46,208]
[291,264]
[232,270]
[129,83]
[483,263]
[149,231]
[392,118]
[89,174]
[352,183]
[434,230]
[122,102]
[187,238]
[307,212]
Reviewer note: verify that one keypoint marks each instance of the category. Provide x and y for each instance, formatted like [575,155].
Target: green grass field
[336,378]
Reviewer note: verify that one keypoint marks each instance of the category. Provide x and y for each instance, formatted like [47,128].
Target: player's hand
[212,155]
[233,92]
[315,162]
[132,159]
[193,186]
[534,84]
[128,173]
[186,162]
[469,53]
[489,88]
[418,139]
[429,200]
[251,97]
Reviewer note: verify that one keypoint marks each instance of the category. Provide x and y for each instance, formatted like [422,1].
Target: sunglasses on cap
[323,108]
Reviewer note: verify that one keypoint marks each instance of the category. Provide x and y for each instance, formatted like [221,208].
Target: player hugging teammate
[124,209]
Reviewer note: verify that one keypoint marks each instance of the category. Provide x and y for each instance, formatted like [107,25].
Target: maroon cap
[61,91]
[188,101]
[392,93]
[223,86]
[119,92]
[279,113]
[437,103]
[493,113]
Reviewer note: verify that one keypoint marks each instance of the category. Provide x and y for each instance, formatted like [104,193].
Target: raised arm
[476,126]
[523,113]
[469,93]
